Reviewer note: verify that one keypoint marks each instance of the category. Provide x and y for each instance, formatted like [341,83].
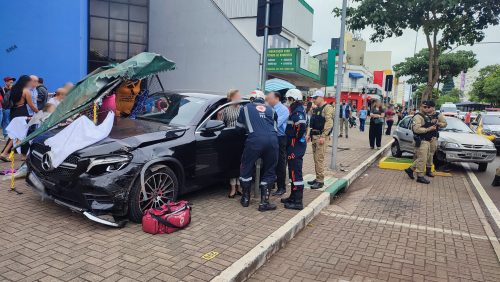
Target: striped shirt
[230,115]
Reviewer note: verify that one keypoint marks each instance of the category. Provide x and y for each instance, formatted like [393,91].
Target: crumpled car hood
[126,135]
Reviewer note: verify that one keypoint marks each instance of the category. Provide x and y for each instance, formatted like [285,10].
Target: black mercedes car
[175,146]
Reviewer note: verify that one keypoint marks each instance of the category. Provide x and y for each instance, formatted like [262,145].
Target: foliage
[486,88]
[448,84]
[450,64]
[445,23]
[452,96]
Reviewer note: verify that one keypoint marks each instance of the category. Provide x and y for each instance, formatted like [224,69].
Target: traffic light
[413,88]
[275,17]
[389,80]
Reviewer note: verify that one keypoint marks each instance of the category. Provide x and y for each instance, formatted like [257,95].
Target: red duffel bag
[167,218]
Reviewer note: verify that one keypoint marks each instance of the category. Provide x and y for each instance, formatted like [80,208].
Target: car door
[405,135]
[218,153]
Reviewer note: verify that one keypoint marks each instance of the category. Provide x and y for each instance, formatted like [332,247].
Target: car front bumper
[93,196]
[474,156]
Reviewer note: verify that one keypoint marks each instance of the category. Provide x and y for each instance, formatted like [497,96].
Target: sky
[326,26]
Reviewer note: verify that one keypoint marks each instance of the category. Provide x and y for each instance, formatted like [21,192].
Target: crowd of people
[26,97]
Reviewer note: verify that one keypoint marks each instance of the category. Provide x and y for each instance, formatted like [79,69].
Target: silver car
[456,143]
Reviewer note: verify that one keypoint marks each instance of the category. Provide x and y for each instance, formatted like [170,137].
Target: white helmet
[294,94]
[257,94]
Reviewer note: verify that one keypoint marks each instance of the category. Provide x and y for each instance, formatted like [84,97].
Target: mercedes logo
[47,162]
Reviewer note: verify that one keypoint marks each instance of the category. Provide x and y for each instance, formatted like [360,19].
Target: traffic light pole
[340,76]
[264,49]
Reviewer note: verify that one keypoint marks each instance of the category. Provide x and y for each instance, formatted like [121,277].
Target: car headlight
[108,164]
[450,145]
[490,146]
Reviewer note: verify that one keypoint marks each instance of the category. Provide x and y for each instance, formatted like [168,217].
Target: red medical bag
[167,219]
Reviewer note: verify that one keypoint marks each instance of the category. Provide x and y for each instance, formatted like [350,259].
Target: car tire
[483,167]
[152,174]
[396,150]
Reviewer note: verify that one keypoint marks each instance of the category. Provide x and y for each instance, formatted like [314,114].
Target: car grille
[469,146]
[66,170]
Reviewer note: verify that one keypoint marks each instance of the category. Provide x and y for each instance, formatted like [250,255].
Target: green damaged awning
[100,82]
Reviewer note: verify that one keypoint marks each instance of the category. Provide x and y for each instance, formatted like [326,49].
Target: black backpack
[7,102]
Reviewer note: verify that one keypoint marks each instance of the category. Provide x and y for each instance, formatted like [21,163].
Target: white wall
[298,20]
[210,53]
[378,60]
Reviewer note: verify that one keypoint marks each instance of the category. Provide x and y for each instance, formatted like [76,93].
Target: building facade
[63,40]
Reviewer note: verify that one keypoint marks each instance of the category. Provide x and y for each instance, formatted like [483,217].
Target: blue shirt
[283,114]
[34,97]
[363,114]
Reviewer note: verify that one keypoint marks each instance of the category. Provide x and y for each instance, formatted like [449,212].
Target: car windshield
[491,120]
[172,109]
[456,125]
[448,109]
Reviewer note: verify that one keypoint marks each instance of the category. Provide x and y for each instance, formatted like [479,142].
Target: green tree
[486,88]
[452,96]
[450,65]
[448,84]
[445,23]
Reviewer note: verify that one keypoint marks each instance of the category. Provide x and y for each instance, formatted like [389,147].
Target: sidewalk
[45,242]
[387,227]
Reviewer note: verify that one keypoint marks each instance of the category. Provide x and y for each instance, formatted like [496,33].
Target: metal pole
[264,49]
[340,76]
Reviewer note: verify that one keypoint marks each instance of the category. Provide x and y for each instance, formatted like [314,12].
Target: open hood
[99,83]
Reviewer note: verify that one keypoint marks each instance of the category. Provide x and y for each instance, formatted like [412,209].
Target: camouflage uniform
[421,127]
[441,123]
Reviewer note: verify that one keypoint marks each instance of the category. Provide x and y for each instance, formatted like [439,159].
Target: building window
[118,30]
[278,41]
[354,83]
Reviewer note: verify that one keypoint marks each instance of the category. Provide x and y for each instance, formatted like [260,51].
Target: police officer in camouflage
[440,122]
[423,132]
[296,148]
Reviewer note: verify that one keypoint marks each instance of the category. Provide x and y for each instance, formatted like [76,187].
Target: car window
[217,114]
[491,120]
[404,123]
[172,109]
[456,125]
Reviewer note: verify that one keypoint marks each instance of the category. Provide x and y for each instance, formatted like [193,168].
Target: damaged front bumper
[102,199]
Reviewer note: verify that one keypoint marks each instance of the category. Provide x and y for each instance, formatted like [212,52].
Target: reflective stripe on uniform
[246,179]
[247,118]
[302,121]
[298,183]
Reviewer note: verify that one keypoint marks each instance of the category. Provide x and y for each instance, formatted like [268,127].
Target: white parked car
[456,143]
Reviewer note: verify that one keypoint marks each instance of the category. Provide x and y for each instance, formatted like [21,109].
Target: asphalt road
[486,178]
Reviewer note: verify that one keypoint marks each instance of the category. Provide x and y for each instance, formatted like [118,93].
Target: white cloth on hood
[79,134]
[17,130]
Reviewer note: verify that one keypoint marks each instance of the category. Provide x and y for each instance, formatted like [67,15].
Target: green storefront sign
[282,59]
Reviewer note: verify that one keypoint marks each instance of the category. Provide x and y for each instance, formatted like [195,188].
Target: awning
[356,75]
[277,84]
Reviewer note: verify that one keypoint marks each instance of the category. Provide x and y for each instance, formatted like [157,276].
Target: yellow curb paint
[386,163]
[210,255]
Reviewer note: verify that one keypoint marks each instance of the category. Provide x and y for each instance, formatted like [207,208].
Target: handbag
[167,219]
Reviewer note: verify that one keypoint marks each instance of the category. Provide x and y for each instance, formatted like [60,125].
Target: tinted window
[118,30]
[172,109]
[404,123]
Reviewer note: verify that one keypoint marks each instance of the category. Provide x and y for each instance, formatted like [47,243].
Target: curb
[256,257]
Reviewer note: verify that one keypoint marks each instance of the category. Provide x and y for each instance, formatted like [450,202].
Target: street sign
[275,17]
[282,59]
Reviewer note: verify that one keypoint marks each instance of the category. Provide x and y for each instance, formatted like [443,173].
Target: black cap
[429,103]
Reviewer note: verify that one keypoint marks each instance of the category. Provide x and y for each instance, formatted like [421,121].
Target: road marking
[495,214]
[484,221]
[411,226]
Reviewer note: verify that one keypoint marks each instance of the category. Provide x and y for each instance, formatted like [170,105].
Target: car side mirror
[214,125]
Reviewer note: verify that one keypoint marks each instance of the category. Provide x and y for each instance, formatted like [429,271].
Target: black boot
[421,179]
[317,185]
[292,194]
[245,198]
[279,192]
[296,203]
[311,182]
[496,181]
[428,172]
[264,198]
[409,171]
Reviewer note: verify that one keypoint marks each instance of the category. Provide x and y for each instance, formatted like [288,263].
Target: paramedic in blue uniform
[296,148]
[259,120]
